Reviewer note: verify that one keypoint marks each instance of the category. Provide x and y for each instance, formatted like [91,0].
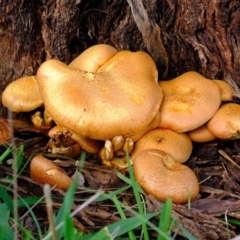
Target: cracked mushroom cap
[190,100]
[225,124]
[162,177]
[122,98]
[177,145]
[22,95]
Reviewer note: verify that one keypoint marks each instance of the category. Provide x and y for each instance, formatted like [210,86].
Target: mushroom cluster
[111,102]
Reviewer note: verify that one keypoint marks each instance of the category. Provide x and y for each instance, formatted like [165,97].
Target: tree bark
[181,35]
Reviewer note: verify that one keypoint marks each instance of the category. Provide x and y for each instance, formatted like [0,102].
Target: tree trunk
[180,35]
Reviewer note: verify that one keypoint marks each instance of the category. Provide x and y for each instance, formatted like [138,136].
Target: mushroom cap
[161,176]
[121,100]
[177,145]
[225,124]
[201,134]
[22,95]
[94,57]
[227,92]
[190,100]
[45,171]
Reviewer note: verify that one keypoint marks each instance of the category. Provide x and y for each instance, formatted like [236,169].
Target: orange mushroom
[94,57]
[227,91]
[190,100]
[161,176]
[22,95]
[177,145]
[225,124]
[105,104]
[45,171]
[201,134]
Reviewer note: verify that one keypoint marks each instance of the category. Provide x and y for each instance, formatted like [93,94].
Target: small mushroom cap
[161,176]
[225,124]
[45,171]
[190,100]
[177,145]
[121,100]
[201,134]
[22,95]
[94,57]
[227,92]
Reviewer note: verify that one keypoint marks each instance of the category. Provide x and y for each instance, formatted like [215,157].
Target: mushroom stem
[117,143]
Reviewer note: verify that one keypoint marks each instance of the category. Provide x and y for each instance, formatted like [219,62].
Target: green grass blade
[124,226]
[8,203]
[135,187]
[29,201]
[65,208]
[6,199]
[82,160]
[68,228]
[6,232]
[165,218]
[26,234]
[19,156]
[77,234]
[187,234]
[26,203]
[5,154]
[129,224]
[129,181]
[111,194]
[123,216]
[103,234]
[231,220]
